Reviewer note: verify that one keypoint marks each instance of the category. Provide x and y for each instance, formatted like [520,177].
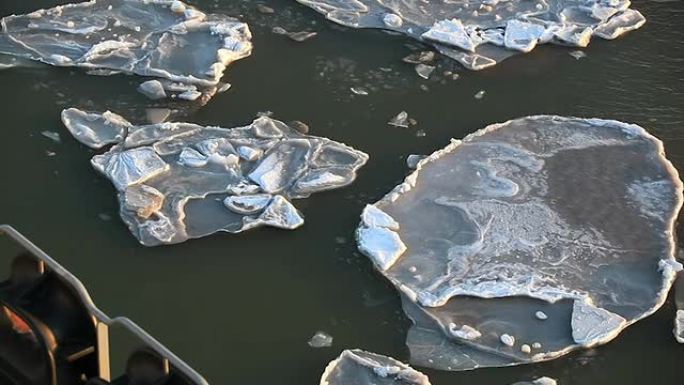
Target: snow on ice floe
[481,33]
[177,181]
[158,38]
[358,367]
[528,239]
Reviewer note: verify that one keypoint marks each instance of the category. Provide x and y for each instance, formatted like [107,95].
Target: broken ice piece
[522,36]
[129,167]
[301,36]
[153,89]
[480,94]
[210,179]
[450,32]
[619,24]
[420,57]
[592,326]
[401,120]
[424,70]
[321,340]
[492,231]
[95,130]
[163,39]
[357,367]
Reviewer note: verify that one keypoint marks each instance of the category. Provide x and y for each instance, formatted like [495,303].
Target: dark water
[240,308]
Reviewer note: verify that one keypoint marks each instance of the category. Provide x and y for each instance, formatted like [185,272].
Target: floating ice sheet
[357,367]
[480,33]
[158,38]
[528,239]
[177,181]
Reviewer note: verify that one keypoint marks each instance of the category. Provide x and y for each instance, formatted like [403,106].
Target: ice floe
[538,381]
[164,39]
[321,340]
[481,33]
[177,181]
[358,367]
[528,239]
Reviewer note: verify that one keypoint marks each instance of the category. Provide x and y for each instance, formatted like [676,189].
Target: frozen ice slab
[679,316]
[178,181]
[539,381]
[481,33]
[357,367]
[158,38]
[528,239]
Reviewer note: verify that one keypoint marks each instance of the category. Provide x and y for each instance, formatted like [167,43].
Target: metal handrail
[102,321]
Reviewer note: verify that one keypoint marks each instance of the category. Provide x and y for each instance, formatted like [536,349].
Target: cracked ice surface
[178,181]
[480,33]
[158,38]
[565,217]
[357,367]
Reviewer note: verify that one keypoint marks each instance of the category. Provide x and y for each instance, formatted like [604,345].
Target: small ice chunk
[401,120]
[424,70]
[54,136]
[541,315]
[95,130]
[153,89]
[143,200]
[357,367]
[525,348]
[247,204]
[382,245]
[450,32]
[392,20]
[359,91]
[507,339]
[279,168]
[420,57]
[577,54]
[536,345]
[301,35]
[321,340]
[592,325]
[465,332]
[480,94]
[265,9]
[413,160]
[372,216]
[522,36]
[129,167]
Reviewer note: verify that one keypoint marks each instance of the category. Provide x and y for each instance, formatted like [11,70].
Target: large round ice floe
[177,181]
[528,239]
[160,38]
[480,33]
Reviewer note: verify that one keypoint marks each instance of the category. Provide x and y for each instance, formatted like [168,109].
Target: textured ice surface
[159,38]
[177,181]
[679,316]
[543,234]
[480,33]
[357,367]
